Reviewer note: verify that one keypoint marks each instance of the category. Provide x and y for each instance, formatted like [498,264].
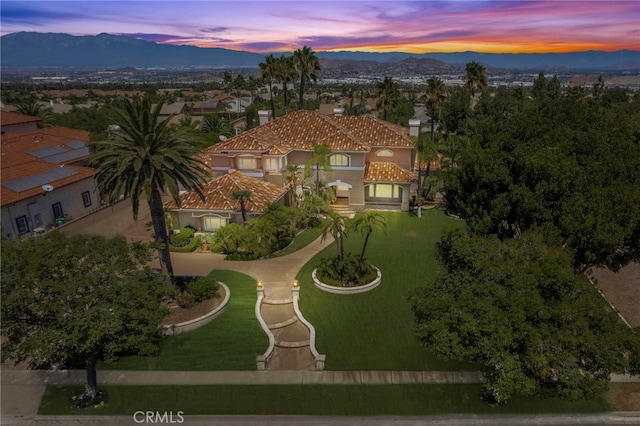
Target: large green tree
[436,93]
[476,76]
[517,309]
[308,67]
[388,94]
[319,159]
[365,224]
[560,164]
[269,71]
[78,300]
[285,74]
[147,157]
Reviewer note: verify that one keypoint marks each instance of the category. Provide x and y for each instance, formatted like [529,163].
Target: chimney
[414,127]
[265,116]
[337,112]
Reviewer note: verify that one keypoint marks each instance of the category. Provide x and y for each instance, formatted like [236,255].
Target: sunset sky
[515,26]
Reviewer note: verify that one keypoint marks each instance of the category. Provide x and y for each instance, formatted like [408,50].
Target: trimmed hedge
[191,246]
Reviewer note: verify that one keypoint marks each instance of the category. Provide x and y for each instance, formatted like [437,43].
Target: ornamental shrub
[203,288]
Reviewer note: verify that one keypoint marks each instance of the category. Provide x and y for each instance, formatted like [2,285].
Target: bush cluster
[203,288]
[350,271]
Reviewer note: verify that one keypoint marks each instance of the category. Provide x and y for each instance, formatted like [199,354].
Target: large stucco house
[371,159]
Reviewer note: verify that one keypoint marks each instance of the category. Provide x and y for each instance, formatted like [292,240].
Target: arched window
[384,153]
[339,160]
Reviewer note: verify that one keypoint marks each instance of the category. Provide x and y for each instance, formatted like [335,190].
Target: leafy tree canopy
[78,300]
[516,308]
[565,165]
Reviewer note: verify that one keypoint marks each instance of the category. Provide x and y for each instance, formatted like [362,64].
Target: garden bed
[347,290]
[181,320]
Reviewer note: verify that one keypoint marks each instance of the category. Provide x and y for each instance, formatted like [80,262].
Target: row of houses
[45,181]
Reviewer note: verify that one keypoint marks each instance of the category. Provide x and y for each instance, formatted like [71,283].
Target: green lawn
[374,330]
[346,400]
[230,342]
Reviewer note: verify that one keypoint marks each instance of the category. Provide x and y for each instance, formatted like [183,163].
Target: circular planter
[173,329]
[347,290]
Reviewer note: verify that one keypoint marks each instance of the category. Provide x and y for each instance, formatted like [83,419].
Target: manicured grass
[339,400]
[301,240]
[230,342]
[375,330]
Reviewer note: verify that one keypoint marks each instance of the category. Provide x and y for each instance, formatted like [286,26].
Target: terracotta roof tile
[8,118]
[218,192]
[388,172]
[299,129]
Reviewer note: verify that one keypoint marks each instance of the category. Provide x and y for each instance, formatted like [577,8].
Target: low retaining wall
[318,358]
[347,290]
[262,360]
[173,329]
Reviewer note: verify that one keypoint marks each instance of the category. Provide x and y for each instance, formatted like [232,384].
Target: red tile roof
[19,165]
[299,129]
[9,118]
[218,192]
[388,172]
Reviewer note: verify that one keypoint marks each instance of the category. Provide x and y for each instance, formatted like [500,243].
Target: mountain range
[55,50]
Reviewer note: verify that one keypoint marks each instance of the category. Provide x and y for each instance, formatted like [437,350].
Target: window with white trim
[246,162]
[339,160]
[384,153]
[384,190]
[212,223]
[272,164]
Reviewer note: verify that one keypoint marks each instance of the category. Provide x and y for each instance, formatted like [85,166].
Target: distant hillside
[40,50]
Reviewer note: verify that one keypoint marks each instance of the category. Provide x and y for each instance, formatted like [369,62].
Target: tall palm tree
[366,224]
[436,94]
[308,67]
[242,196]
[427,151]
[388,93]
[292,177]
[335,225]
[34,109]
[147,157]
[285,73]
[476,76]
[268,69]
[319,158]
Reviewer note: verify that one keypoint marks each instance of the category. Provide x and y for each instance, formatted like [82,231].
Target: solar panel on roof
[40,179]
[67,156]
[75,144]
[45,152]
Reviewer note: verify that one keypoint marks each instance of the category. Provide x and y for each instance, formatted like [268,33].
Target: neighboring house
[371,159]
[44,181]
[175,109]
[219,208]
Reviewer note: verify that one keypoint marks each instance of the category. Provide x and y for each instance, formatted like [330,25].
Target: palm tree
[436,93]
[268,68]
[147,157]
[34,109]
[292,182]
[476,76]
[308,67]
[388,93]
[242,196]
[335,225]
[285,73]
[320,158]
[427,153]
[366,224]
